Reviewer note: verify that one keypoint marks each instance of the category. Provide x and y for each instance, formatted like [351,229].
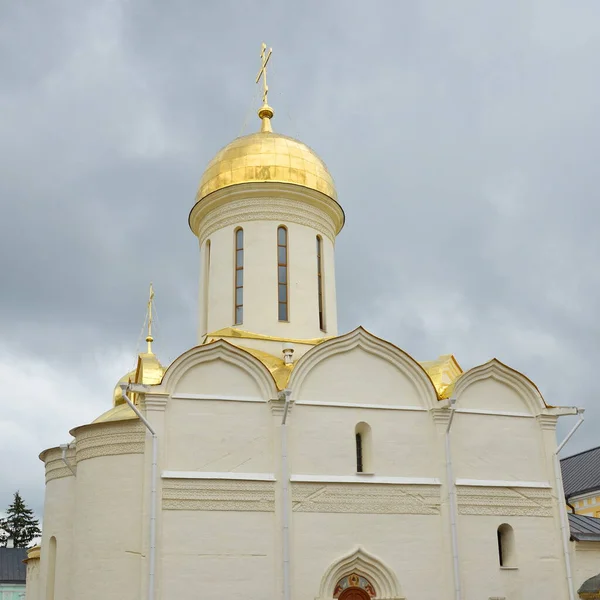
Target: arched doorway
[354,587]
[359,576]
[354,593]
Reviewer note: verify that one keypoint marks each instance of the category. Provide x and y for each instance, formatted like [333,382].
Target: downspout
[285,478]
[452,498]
[64,448]
[564,521]
[153,476]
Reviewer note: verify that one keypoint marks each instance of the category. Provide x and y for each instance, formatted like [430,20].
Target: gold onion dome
[263,157]
[266,156]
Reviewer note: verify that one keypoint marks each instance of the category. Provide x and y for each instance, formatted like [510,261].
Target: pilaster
[153,407]
[441,418]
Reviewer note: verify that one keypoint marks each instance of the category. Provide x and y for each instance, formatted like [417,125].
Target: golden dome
[118,392]
[266,156]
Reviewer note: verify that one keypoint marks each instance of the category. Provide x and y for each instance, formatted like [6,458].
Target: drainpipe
[452,499]
[64,448]
[564,520]
[285,478]
[152,555]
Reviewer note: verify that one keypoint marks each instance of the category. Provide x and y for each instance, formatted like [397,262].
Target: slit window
[239,276]
[320,282]
[282,274]
[364,451]
[359,453]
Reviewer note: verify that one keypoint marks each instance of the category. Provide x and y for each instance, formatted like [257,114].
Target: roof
[12,567]
[581,472]
[584,529]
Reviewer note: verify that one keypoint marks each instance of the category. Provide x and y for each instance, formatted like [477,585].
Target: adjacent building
[581,480]
[12,573]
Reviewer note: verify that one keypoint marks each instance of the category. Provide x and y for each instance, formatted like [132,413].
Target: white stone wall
[107,557]
[59,505]
[32,586]
[585,561]
[260,281]
[218,419]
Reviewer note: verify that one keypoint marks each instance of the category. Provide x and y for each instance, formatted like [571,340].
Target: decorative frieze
[266,209]
[55,466]
[110,439]
[218,494]
[505,501]
[366,498]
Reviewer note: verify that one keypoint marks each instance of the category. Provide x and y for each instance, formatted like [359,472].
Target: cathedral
[280,459]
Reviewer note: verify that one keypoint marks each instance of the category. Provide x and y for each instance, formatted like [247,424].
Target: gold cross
[149,338]
[264,59]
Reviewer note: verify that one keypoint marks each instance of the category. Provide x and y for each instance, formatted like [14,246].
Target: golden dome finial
[265,112]
[149,337]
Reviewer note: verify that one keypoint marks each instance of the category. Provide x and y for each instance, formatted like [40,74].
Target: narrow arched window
[51,573]
[282,274]
[359,453]
[239,276]
[506,546]
[206,283]
[364,461]
[320,282]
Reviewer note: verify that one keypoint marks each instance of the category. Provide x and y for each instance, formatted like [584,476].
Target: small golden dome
[118,392]
[266,156]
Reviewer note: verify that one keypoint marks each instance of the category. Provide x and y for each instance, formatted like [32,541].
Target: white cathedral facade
[278,459]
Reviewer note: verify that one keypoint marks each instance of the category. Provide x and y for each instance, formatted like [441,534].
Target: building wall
[585,561]
[32,591]
[221,495]
[587,504]
[107,536]
[10,591]
[57,532]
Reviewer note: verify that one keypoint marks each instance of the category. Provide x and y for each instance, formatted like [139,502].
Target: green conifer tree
[20,524]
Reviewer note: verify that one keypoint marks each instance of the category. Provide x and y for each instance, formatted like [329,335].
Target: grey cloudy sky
[463,137]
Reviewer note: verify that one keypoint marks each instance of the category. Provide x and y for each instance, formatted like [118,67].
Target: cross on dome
[265,112]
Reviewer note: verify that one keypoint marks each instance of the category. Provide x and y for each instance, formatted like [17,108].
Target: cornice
[54,466]
[272,202]
[110,439]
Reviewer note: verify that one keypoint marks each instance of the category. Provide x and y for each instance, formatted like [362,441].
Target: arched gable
[229,354]
[362,563]
[374,346]
[525,394]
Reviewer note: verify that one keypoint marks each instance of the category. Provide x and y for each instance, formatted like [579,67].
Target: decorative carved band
[110,439]
[266,209]
[517,502]
[55,467]
[218,494]
[366,498]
